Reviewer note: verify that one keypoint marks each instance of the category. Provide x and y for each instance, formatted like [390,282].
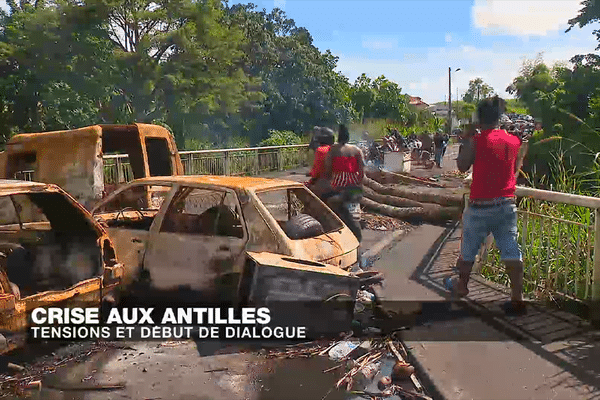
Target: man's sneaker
[515,308]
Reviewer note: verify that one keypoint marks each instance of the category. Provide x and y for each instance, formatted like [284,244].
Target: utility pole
[449,101]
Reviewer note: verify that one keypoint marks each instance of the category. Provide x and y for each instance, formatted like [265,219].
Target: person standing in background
[318,183]
[440,144]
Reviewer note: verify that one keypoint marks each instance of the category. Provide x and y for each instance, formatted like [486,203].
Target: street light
[450,99]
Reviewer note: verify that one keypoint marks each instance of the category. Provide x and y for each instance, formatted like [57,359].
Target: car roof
[6,184]
[231,182]
[14,186]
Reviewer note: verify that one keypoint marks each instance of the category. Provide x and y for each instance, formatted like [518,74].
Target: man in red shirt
[318,182]
[494,155]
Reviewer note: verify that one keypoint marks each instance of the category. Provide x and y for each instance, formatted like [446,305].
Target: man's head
[343,134]
[489,111]
[326,137]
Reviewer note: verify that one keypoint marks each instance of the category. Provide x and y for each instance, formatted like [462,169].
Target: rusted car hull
[318,296]
[65,259]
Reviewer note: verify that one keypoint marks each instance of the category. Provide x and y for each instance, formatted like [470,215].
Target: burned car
[226,238]
[52,253]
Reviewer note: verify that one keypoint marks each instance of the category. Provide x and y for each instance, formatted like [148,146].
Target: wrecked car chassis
[229,239]
[52,253]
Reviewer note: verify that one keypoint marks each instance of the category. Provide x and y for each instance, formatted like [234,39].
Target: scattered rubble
[360,363]
[378,222]
[31,377]
[455,174]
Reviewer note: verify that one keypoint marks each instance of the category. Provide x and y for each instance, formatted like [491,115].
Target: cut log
[386,177]
[452,197]
[426,214]
[429,208]
[389,200]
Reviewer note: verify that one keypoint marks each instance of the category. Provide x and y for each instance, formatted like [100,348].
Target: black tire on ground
[303,226]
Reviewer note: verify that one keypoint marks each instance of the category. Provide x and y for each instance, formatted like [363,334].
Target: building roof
[417,101]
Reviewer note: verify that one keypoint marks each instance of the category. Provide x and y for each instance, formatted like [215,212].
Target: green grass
[557,255]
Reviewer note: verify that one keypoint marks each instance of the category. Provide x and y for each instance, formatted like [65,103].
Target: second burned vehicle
[250,240]
[52,254]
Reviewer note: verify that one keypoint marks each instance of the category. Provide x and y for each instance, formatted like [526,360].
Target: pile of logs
[405,197]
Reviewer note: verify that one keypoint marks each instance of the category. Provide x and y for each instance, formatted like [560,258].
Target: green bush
[281,138]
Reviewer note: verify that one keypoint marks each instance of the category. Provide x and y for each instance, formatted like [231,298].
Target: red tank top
[496,154]
[344,171]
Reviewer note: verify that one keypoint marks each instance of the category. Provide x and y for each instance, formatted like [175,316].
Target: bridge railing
[561,254]
[241,161]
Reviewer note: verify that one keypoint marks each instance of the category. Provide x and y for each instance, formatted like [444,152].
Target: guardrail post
[226,162]
[279,164]
[255,163]
[120,178]
[595,308]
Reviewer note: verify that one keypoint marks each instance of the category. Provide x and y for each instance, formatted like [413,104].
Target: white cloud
[427,76]
[3,5]
[448,38]
[523,17]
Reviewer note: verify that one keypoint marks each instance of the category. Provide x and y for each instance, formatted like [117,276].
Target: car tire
[303,226]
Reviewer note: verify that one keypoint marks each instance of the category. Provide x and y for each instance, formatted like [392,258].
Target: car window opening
[206,212]
[46,243]
[134,208]
[299,213]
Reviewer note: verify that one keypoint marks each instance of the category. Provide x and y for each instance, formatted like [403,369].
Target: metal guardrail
[561,256]
[241,161]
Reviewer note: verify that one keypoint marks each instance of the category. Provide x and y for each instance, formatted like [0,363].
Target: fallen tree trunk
[386,177]
[390,200]
[444,197]
[430,208]
[426,214]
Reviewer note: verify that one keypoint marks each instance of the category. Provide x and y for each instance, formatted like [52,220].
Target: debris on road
[455,174]
[378,222]
[360,363]
[32,376]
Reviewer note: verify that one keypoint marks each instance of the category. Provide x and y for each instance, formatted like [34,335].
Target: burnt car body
[76,159]
[229,238]
[52,253]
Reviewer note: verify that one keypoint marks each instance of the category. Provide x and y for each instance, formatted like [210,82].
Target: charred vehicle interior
[298,213]
[46,244]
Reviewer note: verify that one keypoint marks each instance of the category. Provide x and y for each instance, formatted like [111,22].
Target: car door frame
[239,258]
[131,273]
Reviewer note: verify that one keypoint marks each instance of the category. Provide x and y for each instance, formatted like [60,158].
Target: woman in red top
[344,168]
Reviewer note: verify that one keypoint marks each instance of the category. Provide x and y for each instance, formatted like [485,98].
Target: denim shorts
[478,223]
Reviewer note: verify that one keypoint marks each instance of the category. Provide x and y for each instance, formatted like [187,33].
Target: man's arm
[327,166]
[466,155]
[361,164]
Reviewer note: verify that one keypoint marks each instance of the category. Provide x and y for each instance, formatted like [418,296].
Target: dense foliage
[213,73]
[566,100]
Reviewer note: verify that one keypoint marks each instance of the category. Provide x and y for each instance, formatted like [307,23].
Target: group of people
[337,174]
[496,158]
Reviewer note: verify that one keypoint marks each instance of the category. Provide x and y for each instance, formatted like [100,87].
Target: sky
[414,42]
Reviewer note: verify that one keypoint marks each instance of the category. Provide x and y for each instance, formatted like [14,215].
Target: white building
[441,110]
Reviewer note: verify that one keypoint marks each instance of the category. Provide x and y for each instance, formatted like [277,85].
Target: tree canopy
[478,90]
[213,73]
